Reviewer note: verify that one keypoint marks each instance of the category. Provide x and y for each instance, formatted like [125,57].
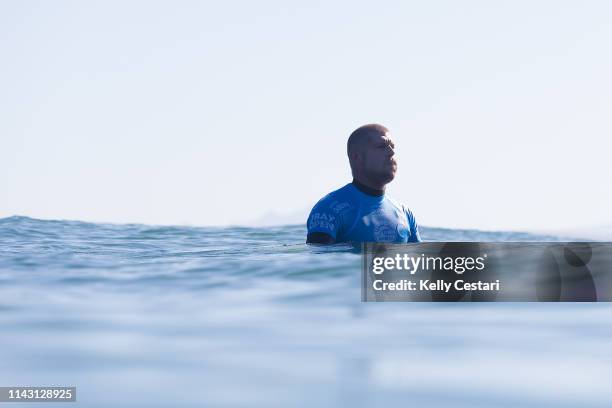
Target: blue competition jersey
[348,214]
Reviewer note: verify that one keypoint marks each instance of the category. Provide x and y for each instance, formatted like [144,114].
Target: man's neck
[368,189]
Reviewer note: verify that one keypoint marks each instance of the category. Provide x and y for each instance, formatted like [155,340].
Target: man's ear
[356,157]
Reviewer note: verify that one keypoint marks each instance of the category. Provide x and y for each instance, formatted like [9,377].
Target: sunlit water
[136,315]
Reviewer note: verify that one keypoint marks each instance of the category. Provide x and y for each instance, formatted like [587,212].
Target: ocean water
[146,316]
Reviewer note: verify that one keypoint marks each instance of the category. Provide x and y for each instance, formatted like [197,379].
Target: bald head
[360,136]
[358,140]
[370,151]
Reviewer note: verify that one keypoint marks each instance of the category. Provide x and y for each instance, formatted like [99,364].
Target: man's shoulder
[396,203]
[336,205]
[329,213]
[342,194]
[400,207]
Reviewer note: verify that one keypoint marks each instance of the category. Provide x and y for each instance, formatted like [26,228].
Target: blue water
[145,316]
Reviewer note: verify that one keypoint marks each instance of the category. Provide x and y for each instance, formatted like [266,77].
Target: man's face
[379,161]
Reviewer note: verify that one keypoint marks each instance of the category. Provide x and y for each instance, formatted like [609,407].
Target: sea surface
[149,316]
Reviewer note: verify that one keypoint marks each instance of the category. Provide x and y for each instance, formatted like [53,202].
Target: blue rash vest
[350,215]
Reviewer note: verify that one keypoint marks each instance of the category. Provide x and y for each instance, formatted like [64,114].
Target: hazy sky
[213,113]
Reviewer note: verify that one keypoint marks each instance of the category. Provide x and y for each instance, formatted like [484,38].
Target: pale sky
[215,113]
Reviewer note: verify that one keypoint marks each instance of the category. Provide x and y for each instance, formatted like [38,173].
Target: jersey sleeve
[323,219]
[413,226]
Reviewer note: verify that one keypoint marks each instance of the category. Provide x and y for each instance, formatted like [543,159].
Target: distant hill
[272,218]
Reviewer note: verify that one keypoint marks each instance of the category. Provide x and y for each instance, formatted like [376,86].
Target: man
[361,211]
